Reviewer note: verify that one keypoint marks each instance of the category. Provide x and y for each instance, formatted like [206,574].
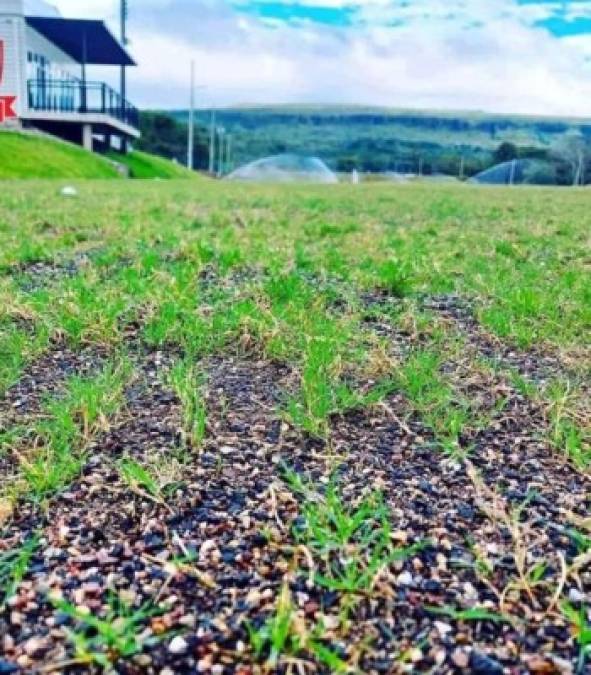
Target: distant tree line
[163,135]
[369,142]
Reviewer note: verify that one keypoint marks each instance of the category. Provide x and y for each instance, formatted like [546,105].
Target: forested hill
[378,139]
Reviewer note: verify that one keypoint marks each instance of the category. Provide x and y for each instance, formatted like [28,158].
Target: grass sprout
[13,567]
[187,382]
[103,640]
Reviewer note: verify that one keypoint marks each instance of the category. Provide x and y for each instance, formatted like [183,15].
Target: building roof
[86,41]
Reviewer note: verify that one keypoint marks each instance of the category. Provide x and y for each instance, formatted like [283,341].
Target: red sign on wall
[7,111]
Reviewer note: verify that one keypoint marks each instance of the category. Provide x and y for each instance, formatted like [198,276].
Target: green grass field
[33,156]
[258,429]
[144,165]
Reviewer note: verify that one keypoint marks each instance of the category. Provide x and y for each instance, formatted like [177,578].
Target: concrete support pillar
[87,137]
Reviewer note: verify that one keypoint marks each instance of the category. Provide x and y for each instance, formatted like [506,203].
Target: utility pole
[461,176]
[124,16]
[212,143]
[228,153]
[221,144]
[191,130]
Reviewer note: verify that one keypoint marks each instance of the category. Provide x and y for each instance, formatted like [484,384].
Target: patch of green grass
[581,625]
[17,347]
[69,425]
[154,479]
[353,541]
[137,476]
[565,434]
[277,636]
[36,156]
[144,165]
[13,567]
[472,614]
[103,640]
[188,383]
[441,408]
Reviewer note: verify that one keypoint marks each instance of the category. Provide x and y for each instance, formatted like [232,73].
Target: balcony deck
[75,101]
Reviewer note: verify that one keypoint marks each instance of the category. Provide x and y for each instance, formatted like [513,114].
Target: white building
[44,64]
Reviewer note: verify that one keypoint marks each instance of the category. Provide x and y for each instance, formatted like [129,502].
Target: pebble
[178,645]
[460,658]
[143,660]
[204,664]
[443,628]
[16,618]
[482,664]
[35,647]
[574,595]
[404,579]
[24,661]
[189,620]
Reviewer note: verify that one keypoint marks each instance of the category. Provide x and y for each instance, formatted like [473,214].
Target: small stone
[24,661]
[178,645]
[482,664]
[460,658]
[189,620]
[541,666]
[574,595]
[35,647]
[204,665]
[128,596]
[7,667]
[470,592]
[16,618]
[443,628]
[404,579]
[331,622]
[143,660]
[415,655]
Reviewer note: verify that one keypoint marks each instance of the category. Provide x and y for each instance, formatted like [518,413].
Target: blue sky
[529,56]
[569,17]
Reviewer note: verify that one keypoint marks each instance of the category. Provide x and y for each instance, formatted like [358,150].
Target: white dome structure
[285,169]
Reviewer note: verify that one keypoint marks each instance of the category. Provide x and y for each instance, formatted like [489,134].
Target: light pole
[221,132]
[228,152]
[124,16]
[191,130]
[212,143]
[191,123]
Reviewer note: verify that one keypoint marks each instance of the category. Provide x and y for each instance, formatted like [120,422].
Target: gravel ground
[228,515]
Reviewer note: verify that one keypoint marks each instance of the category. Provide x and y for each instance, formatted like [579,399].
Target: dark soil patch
[536,365]
[44,378]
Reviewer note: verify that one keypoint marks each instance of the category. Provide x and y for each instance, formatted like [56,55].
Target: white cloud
[477,54]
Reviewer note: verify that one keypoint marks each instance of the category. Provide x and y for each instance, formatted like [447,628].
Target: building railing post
[83,100]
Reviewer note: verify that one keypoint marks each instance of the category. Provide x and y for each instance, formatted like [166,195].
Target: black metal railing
[80,97]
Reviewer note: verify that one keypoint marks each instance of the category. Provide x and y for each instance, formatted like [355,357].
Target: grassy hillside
[144,165]
[34,156]
[378,139]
